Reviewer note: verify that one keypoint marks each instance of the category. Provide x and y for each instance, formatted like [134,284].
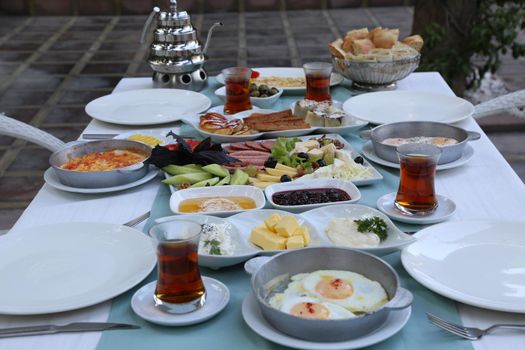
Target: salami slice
[256,145]
[252,153]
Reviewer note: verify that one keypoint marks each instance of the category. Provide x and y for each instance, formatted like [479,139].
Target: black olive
[274,91]
[264,89]
[302,155]
[270,163]
[286,178]
[321,162]
[359,160]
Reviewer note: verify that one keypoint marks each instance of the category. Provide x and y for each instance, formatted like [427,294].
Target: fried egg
[313,308]
[350,290]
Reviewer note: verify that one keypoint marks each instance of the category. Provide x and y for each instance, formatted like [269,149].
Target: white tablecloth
[485,188]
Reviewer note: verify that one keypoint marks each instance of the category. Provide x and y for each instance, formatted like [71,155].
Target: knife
[71,327]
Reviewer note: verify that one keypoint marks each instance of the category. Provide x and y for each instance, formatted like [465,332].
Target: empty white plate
[405,106]
[147,106]
[446,207]
[217,297]
[480,263]
[68,266]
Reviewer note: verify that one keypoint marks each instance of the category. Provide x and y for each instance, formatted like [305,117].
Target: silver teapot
[176,55]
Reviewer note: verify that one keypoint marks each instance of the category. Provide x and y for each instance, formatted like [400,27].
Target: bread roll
[373,32]
[362,46]
[414,41]
[352,35]
[385,38]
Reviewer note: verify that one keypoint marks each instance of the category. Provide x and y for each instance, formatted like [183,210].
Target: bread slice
[336,48]
[414,41]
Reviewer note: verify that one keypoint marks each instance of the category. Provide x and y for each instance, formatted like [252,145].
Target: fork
[137,220]
[470,333]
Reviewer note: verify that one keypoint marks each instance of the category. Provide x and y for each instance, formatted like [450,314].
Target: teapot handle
[147,25]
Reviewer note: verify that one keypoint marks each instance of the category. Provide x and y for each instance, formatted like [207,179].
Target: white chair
[513,103]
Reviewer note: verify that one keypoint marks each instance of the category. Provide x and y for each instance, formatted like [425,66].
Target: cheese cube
[271,221]
[287,226]
[302,231]
[266,239]
[295,242]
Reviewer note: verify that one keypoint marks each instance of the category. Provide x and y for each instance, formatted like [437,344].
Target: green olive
[264,95]
[254,93]
[253,87]
[263,89]
[273,91]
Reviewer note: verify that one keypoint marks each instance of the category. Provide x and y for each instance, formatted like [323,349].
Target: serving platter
[373,178]
[147,106]
[368,152]
[239,227]
[193,120]
[403,106]
[478,263]
[253,317]
[68,266]
[288,72]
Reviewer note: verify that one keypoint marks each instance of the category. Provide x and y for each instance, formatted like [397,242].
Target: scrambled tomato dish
[101,161]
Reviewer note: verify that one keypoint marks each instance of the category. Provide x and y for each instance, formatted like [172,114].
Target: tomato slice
[255,74]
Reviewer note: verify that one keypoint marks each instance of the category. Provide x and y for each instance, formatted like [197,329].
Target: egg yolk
[334,288]
[310,310]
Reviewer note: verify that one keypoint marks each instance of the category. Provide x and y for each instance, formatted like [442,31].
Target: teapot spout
[217,24]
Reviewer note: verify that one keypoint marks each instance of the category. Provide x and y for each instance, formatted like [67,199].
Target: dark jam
[310,196]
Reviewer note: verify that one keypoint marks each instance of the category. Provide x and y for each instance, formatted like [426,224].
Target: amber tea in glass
[416,194]
[179,285]
[318,81]
[237,81]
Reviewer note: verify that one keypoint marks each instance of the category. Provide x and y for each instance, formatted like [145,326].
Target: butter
[266,239]
[302,231]
[272,220]
[287,226]
[295,242]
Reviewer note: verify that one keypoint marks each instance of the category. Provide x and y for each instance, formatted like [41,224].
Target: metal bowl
[375,75]
[275,274]
[99,179]
[413,129]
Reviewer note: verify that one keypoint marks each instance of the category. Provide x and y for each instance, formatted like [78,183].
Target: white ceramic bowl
[218,191]
[261,102]
[344,185]
[242,250]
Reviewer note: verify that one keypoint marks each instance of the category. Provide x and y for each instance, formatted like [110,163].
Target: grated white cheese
[215,240]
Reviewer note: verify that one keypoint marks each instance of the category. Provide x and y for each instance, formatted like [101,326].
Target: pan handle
[14,128]
[401,300]
[366,134]
[472,135]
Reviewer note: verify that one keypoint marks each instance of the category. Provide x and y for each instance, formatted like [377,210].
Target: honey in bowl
[213,204]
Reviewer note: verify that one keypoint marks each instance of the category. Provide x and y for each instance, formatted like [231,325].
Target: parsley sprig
[215,248]
[374,224]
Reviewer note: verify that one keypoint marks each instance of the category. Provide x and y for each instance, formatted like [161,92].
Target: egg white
[336,312]
[367,295]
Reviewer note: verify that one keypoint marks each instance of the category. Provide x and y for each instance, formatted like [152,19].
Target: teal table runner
[229,331]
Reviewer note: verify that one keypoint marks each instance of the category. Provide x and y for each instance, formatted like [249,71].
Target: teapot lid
[173,13]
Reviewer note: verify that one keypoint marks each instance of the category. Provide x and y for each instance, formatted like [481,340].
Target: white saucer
[368,151]
[446,207]
[52,180]
[255,320]
[217,297]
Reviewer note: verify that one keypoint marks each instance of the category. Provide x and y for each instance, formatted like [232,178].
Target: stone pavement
[51,67]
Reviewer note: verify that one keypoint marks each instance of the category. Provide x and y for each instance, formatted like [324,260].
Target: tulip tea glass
[318,81]
[237,81]
[179,287]
[416,194]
